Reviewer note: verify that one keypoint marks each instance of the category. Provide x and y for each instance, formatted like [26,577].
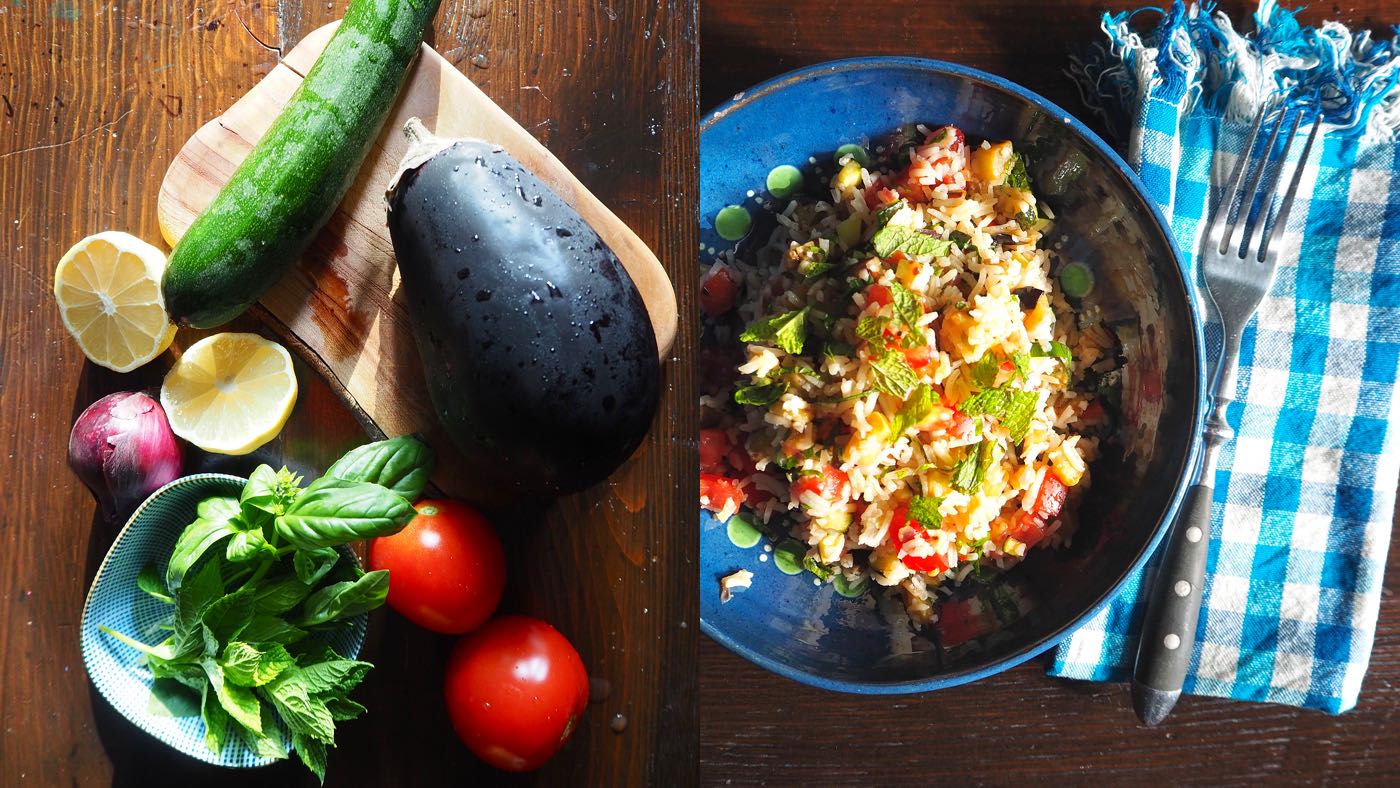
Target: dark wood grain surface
[1020,726]
[95,99]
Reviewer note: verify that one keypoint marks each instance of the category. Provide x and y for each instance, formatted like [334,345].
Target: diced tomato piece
[922,563]
[740,461]
[1094,413]
[719,367]
[716,491]
[714,445]
[1050,499]
[1028,529]
[880,294]
[958,138]
[832,484]
[950,179]
[718,290]
[957,624]
[918,356]
[960,425]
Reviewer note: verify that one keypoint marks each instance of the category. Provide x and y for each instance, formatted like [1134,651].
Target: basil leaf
[346,599]
[916,408]
[247,545]
[281,595]
[889,239]
[171,698]
[149,580]
[215,720]
[217,508]
[924,511]
[761,394]
[402,464]
[312,565]
[204,588]
[334,511]
[271,629]
[787,331]
[197,538]
[261,490]
[247,665]
[892,374]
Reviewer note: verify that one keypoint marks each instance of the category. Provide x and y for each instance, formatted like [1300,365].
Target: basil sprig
[250,582]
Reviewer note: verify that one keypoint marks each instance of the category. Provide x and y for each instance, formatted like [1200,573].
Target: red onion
[123,450]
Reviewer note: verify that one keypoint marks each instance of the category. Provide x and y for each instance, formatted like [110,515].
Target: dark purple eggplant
[538,350]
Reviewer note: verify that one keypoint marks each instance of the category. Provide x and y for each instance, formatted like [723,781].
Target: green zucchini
[279,197]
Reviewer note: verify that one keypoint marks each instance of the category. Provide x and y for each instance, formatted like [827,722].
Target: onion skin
[122,448]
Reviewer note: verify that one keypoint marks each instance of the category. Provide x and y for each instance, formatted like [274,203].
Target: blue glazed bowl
[808,632]
[114,600]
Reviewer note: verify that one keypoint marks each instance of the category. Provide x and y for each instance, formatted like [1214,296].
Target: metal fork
[1239,272]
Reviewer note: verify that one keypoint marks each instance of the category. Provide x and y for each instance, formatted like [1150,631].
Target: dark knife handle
[1173,607]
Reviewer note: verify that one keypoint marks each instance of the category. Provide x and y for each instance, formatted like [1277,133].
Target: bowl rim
[1183,470]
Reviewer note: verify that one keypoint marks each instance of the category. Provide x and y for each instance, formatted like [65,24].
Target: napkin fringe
[1194,56]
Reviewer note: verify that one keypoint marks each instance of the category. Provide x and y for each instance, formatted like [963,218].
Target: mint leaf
[247,665]
[1022,362]
[343,708]
[268,745]
[969,471]
[172,698]
[892,374]
[1020,408]
[906,305]
[302,713]
[960,239]
[226,616]
[333,676]
[279,596]
[984,372]
[215,720]
[915,409]
[761,393]
[312,753]
[833,349]
[888,240]
[240,702]
[1058,350]
[787,331]
[271,629]
[191,600]
[924,511]
[1027,218]
[871,328]
[883,215]
[402,464]
[1016,175]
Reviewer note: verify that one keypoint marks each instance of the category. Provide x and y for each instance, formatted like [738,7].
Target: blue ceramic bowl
[114,600]
[809,633]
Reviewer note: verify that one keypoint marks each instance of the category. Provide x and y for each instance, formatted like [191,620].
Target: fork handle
[1173,607]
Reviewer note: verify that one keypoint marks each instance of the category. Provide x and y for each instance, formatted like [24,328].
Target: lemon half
[108,292]
[230,393]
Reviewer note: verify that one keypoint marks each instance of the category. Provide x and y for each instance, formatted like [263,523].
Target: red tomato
[1050,499]
[714,445]
[515,690]
[832,484]
[919,563]
[960,425]
[957,624]
[718,291]
[447,569]
[716,491]
[880,294]
[1027,529]
[918,356]
[1094,413]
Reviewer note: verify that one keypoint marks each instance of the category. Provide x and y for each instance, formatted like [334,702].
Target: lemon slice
[108,292]
[230,393]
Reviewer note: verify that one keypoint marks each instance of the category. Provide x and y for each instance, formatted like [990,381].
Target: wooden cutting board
[341,309]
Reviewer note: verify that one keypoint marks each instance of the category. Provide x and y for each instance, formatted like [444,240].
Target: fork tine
[1236,243]
[1269,252]
[1256,236]
[1232,190]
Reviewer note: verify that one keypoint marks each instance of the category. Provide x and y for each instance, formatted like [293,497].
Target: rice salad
[902,384]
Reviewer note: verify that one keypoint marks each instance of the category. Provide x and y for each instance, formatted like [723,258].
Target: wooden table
[95,99]
[1019,726]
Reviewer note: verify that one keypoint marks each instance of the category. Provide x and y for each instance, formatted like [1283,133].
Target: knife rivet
[1193,534]
[1182,588]
[1171,642]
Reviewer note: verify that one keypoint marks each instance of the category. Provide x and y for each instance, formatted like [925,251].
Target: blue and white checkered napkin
[1305,494]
